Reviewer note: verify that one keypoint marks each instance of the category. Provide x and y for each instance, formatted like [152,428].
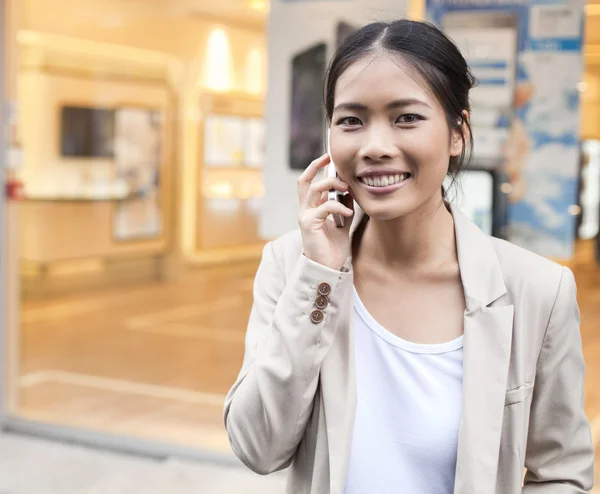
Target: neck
[418,240]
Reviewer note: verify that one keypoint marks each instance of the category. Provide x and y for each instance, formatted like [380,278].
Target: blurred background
[151,148]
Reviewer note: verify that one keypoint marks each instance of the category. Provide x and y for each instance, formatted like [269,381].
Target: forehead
[381,78]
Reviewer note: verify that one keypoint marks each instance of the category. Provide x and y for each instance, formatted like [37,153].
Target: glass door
[123,338]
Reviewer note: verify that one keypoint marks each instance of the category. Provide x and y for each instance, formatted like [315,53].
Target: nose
[378,144]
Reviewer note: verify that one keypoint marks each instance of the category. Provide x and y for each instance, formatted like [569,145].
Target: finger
[324,198]
[329,207]
[308,175]
[317,188]
[312,170]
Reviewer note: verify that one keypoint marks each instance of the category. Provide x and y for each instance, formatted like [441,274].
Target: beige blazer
[294,400]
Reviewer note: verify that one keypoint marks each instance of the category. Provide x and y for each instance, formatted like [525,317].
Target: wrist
[329,265]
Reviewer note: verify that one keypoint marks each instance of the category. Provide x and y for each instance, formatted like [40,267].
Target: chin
[386,212]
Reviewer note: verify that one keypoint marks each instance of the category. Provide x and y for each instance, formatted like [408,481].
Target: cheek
[429,151]
[343,159]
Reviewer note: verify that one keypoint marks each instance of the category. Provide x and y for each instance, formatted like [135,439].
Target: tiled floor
[152,360]
[33,466]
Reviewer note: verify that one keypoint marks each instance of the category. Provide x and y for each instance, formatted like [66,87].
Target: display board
[589,190]
[233,140]
[138,158]
[527,57]
[231,155]
[489,42]
[474,193]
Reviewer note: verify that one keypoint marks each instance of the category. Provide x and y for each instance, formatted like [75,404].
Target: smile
[385,183]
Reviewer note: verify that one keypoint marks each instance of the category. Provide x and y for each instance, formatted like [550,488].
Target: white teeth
[384,181]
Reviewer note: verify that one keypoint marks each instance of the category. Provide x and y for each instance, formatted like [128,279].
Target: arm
[560,455]
[268,407]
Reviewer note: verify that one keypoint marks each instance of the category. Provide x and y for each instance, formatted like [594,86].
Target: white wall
[293,26]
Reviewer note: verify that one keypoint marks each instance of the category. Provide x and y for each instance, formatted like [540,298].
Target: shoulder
[528,274]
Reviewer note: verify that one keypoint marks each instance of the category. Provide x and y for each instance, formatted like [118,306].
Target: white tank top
[409,407]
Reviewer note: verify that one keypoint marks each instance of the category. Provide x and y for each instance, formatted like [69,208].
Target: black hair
[431,54]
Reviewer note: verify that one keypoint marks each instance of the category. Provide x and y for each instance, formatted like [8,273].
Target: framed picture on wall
[223,140]
[254,142]
[343,29]
[232,141]
[307,116]
[138,157]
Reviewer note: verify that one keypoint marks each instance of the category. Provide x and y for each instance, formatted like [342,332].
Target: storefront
[139,198]
[136,134]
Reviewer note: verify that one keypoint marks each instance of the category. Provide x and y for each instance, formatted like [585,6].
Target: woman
[408,352]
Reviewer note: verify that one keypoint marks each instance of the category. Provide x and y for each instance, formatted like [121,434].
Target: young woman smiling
[407,351]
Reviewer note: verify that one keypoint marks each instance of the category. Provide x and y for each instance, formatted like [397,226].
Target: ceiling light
[261,6]
[592,9]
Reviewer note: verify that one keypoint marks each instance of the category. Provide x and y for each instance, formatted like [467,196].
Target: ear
[456,139]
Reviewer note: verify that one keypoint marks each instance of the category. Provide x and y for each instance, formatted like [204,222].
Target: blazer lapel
[338,385]
[486,357]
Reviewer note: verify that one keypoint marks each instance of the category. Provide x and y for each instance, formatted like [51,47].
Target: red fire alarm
[14,190]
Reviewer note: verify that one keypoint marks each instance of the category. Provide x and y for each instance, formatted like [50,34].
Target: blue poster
[527,58]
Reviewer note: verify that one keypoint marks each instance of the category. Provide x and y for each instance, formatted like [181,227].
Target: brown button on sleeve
[321,302]
[316,316]
[324,289]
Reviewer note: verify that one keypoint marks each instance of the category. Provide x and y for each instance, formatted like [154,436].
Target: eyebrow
[399,103]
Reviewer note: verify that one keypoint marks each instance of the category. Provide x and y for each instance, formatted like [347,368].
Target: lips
[384,180]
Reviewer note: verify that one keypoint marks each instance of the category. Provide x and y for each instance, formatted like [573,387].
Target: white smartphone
[333,195]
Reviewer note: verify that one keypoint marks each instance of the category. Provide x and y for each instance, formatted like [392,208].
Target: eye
[350,121]
[409,118]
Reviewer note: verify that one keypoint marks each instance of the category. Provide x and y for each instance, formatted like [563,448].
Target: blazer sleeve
[560,454]
[268,407]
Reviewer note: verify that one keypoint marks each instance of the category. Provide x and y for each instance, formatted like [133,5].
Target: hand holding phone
[323,241]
